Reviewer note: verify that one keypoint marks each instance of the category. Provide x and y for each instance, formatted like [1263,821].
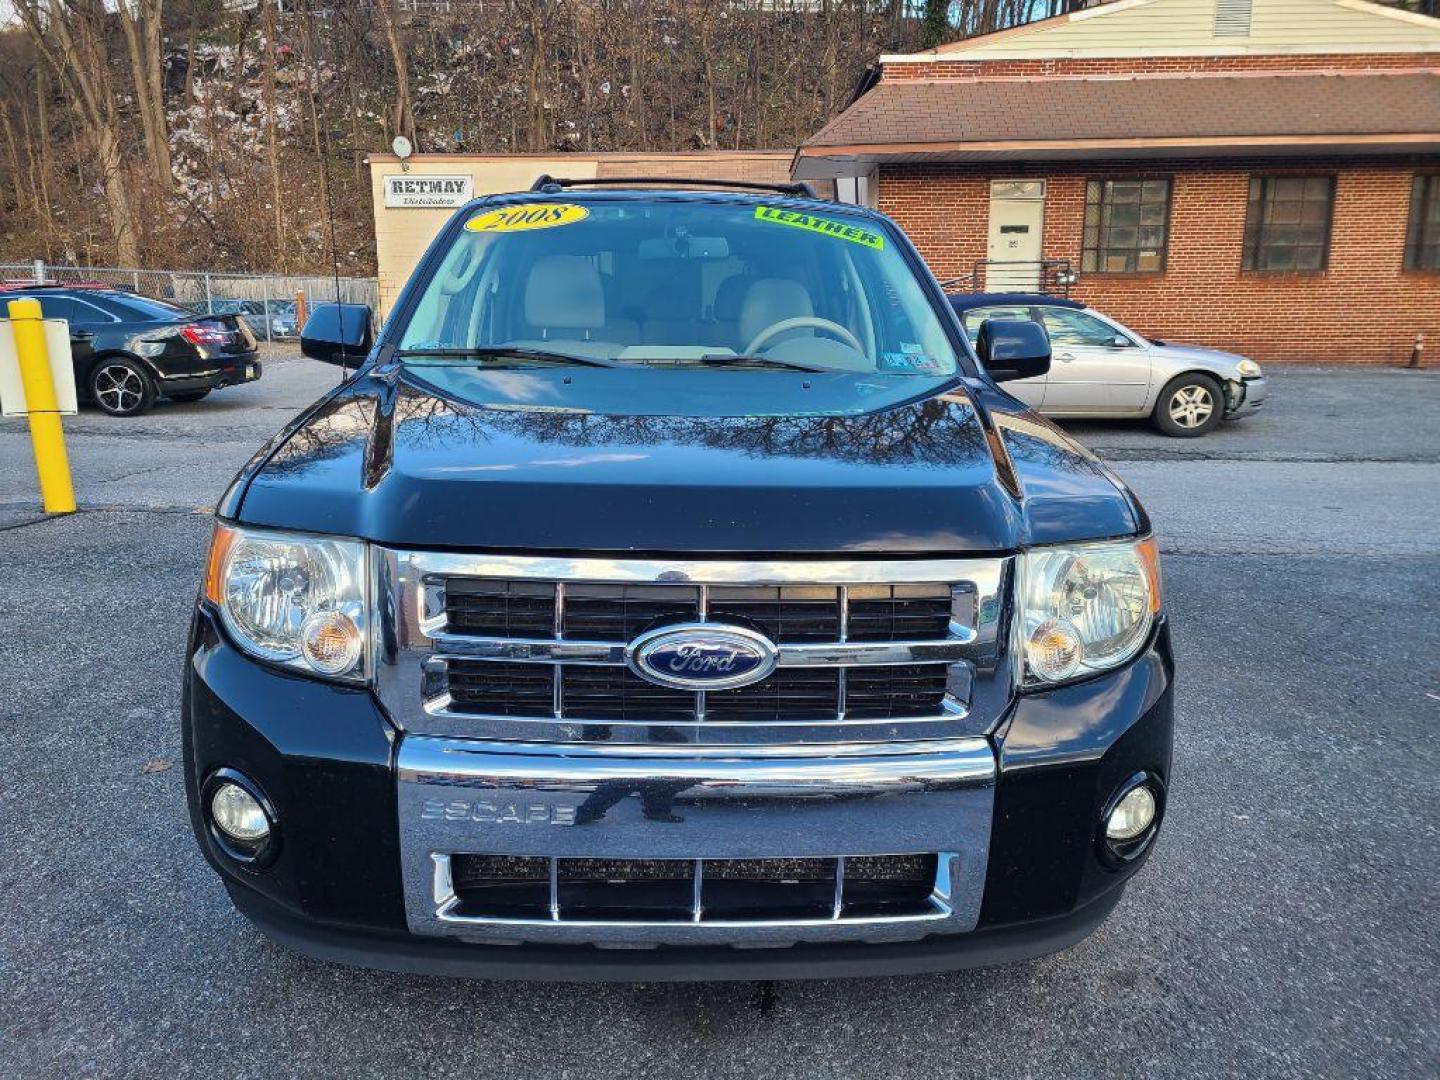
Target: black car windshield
[675,284]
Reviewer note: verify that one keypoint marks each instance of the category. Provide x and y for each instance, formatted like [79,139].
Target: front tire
[1189,406]
[121,387]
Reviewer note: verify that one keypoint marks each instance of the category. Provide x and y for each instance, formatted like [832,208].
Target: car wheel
[122,387]
[189,395]
[1189,406]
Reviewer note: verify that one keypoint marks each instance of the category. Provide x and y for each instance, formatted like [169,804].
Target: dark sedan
[129,350]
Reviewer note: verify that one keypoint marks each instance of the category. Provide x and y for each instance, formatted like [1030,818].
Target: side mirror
[337,334]
[1013,349]
[1120,341]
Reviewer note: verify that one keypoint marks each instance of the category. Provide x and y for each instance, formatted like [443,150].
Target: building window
[1287,224]
[1126,225]
[1422,240]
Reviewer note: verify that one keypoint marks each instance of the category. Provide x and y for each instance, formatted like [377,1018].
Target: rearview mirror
[1013,349]
[337,334]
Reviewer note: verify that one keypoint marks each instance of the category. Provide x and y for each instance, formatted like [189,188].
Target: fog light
[1132,815]
[330,641]
[238,814]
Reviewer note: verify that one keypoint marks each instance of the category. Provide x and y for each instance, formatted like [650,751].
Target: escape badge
[527,216]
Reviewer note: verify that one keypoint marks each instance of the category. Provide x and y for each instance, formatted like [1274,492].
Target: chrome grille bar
[612,654]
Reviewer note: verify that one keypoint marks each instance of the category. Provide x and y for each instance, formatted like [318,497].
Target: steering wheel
[804,321]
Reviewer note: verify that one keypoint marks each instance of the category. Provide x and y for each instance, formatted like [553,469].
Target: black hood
[581,459]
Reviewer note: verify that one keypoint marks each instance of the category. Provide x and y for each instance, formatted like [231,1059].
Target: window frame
[1084,313]
[1100,249]
[1253,236]
[1421,207]
[84,307]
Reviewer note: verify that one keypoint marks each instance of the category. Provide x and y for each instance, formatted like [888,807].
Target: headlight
[1086,607]
[1248,368]
[292,599]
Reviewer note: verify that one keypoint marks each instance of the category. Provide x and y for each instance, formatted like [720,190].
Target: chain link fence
[271,304]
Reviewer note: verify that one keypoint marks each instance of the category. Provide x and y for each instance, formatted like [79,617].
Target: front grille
[509,887]
[540,648]
[800,614]
[615,694]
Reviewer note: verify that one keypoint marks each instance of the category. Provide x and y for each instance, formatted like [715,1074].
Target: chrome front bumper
[662,802]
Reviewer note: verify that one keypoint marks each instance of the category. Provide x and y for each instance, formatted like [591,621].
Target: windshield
[674,284]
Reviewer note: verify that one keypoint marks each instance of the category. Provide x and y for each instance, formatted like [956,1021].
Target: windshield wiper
[510,352]
[723,359]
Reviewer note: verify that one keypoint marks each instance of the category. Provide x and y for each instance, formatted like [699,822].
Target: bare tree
[70,36]
[141,20]
[402,116]
[271,149]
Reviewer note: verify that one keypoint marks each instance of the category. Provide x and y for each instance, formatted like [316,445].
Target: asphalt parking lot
[1288,925]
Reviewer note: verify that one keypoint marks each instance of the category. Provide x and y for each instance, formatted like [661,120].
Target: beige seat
[772,300]
[565,308]
[724,327]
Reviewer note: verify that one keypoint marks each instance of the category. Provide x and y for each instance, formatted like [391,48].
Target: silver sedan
[1101,368]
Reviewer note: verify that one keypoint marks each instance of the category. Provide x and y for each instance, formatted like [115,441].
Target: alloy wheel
[1190,406]
[119,389]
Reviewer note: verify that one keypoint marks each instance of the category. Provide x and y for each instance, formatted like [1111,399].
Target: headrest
[564,292]
[730,295]
[770,300]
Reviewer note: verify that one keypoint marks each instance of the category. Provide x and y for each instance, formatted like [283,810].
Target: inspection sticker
[796,219]
[527,216]
[909,361]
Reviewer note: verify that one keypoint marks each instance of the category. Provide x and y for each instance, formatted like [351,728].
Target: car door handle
[82,335]
[1067,357]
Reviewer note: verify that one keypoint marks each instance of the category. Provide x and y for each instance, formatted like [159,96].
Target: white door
[1017,221]
[1094,368]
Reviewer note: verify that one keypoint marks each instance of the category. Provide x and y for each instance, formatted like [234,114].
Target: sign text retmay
[425,192]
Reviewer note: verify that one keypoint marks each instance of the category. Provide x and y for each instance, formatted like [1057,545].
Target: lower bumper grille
[509,887]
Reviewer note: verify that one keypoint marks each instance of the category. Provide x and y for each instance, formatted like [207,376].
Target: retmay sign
[427,192]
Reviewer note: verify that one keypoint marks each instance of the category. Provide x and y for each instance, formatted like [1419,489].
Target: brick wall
[1363,307]
[945,70]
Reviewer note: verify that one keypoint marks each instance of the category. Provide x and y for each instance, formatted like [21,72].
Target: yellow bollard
[53,467]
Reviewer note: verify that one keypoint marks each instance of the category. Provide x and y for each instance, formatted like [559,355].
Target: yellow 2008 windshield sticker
[527,216]
[828,226]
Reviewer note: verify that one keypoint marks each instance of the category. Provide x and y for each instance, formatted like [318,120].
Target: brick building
[1261,175]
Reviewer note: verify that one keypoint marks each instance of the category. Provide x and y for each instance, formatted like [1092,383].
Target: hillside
[203,131]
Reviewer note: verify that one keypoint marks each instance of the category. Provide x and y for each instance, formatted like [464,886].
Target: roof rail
[22,285]
[546,182]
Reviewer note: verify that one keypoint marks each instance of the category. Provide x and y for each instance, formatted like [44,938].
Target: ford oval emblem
[702,656]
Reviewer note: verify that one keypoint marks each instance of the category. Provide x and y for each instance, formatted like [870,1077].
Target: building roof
[1143,28]
[1129,116]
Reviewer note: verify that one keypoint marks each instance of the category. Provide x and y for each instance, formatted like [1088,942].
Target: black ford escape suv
[672,593]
